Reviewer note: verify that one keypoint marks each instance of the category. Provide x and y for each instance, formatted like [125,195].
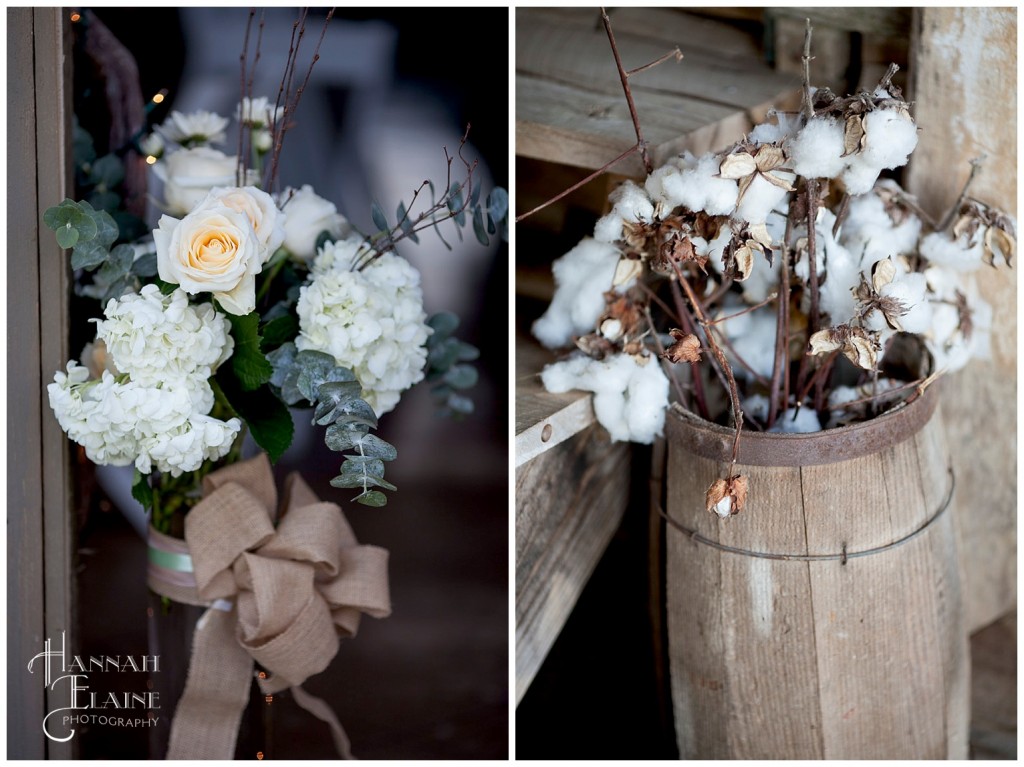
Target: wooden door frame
[40,531]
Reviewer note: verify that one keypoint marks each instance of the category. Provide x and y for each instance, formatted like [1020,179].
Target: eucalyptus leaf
[106,231]
[379,219]
[478,227]
[108,170]
[67,236]
[371,445]
[443,324]
[372,498]
[282,360]
[351,481]
[462,377]
[497,204]
[460,404]
[145,265]
[363,466]
[344,436]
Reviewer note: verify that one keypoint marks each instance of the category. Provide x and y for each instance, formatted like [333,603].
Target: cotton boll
[630,397]
[772,133]
[697,187]
[761,197]
[938,248]
[860,176]
[817,150]
[891,137]
[632,203]
[714,251]
[756,406]
[581,278]
[763,279]
[869,232]
[793,421]
[609,227]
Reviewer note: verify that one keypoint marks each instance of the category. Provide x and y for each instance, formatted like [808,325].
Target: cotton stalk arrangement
[780,285]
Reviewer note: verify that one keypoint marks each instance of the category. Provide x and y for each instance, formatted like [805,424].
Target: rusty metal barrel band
[712,441]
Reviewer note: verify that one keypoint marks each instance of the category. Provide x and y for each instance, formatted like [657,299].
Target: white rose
[308,215]
[258,206]
[212,250]
[190,174]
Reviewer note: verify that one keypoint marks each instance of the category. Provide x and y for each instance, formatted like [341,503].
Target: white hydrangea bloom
[154,338]
[371,321]
[124,422]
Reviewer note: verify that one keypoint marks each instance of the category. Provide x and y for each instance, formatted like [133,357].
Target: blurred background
[391,91]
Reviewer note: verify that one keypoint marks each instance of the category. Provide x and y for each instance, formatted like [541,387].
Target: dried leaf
[595,346]
[854,136]
[778,181]
[737,166]
[685,349]
[967,224]
[858,345]
[823,342]
[882,273]
[744,185]
[745,259]
[862,352]
[999,242]
[759,233]
[769,157]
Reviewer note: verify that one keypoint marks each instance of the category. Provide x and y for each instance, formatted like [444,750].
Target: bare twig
[716,350]
[807,104]
[951,213]
[688,326]
[661,353]
[749,309]
[578,184]
[641,144]
[624,77]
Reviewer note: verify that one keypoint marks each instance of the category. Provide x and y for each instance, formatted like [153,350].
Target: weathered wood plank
[543,419]
[569,502]
[569,102]
[53,153]
[964,88]
[25,612]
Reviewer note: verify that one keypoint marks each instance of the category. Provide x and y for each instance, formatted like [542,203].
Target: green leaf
[474,198]
[108,170]
[467,352]
[282,359]
[67,212]
[145,265]
[67,236]
[82,146]
[316,368]
[334,399]
[104,200]
[374,447]
[166,288]
[461,377]
[118,288]
[322,239]
[363,466]
[351,481]
[141,491]
[497,204]
[460,404]
[117,265]
[405,222]
[88,255]
[106,227]
[372,498]
[344,436]
[444,324]
[379,219]
[267,417]
[478,227]
[455,203]
[279,331]
[130,227]
[250,366]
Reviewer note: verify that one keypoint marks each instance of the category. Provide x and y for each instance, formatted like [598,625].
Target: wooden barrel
[826,620]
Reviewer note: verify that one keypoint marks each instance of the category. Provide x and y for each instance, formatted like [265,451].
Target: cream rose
[212,250]
[308,215]
[258,206]
[190,174]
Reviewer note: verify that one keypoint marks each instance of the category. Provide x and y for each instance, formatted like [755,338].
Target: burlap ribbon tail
[281,596]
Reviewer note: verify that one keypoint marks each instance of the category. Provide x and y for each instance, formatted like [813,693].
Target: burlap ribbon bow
[294,590]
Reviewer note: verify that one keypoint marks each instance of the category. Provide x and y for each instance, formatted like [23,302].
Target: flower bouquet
[245,301]
[780,314]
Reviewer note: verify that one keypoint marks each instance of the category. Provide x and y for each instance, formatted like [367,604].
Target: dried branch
[624,77]
[951,213]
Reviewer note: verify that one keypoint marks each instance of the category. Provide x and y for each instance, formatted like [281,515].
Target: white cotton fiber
[773,132]
[891,137]
[870,234]
[761,197]
[581,278]
[756,406]
[859,176]
[697,187]
[630,203]
[763,279]
[957,254]
[793,421]
[817,150]
[714,251]
[630,396]
[751,337]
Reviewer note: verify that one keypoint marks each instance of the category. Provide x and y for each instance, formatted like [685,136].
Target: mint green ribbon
[170,561]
